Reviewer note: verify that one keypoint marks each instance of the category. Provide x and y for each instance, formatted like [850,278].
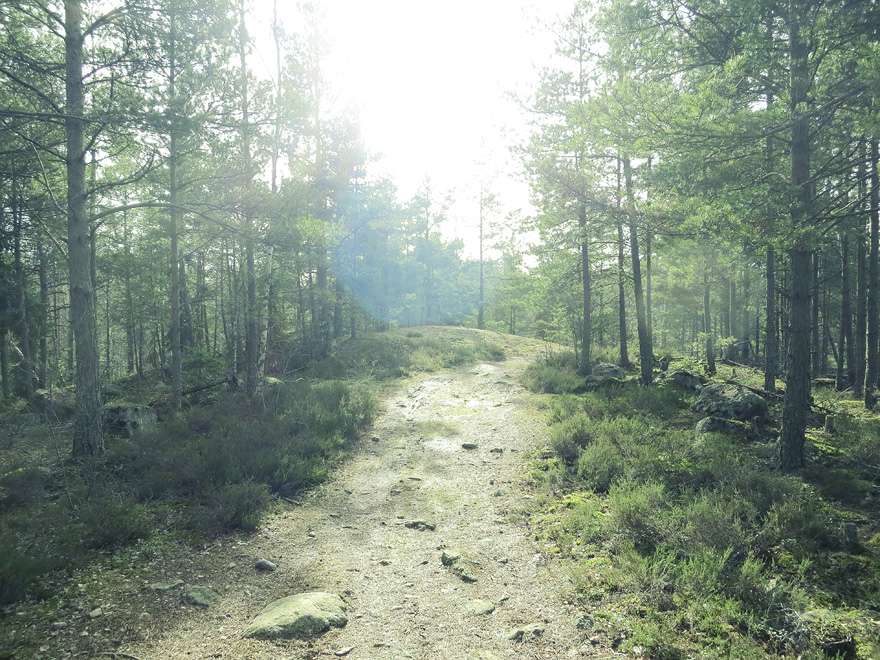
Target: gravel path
[351,537]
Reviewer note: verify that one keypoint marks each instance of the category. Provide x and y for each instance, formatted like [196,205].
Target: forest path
[350,537]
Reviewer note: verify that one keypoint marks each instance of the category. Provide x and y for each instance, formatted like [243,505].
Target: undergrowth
[218,467]
[682,547]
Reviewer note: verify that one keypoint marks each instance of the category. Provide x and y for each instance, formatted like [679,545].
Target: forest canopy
[703,179]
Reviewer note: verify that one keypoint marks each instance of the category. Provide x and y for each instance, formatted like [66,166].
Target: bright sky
[430,78]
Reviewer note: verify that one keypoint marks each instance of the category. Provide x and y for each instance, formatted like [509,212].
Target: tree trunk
[646,353]
[844,340]
[174,228]
[621,279]
[621,297]
[88,438]
[253,378]
[43,265]
[815,336]
[872,367]
[4,365]
[586,366]
[649,312]
[707,325]
[22,326]
[796,404]
[744,324]
[771,341]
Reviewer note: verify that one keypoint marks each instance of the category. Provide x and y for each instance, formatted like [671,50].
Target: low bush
[570,436]
[552,379]
[713,553]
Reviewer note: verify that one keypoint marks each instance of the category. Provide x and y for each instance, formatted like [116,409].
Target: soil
[350,537]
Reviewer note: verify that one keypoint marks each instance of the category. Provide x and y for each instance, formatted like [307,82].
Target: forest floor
[451,449]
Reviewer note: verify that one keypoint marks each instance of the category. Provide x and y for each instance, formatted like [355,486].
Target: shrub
[22,486]
[551,380]
[110,520]
[234,506]
[599,465]
[800,522]
[570,436]
[639,514]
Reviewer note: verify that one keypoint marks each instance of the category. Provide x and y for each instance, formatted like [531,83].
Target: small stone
[199,596]
[503,560]
[165,586]
[584,621]
[496,450]
[95,613]
[449,557]
[265,565]
[463,573]
[58,625]
[341,652]
[311,535]
[480,607]
[144,616]
[420,525]
[520,633]
[375,438]
[468,445]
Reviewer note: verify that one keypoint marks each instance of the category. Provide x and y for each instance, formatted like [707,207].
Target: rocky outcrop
[729,427]
[730,402]
[688,380]
[301,615]
[127,419]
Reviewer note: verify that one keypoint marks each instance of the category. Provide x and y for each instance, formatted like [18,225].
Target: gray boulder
[730,402]
[302,615]
[127,419]
[688,380]
[200,596]
[729,427]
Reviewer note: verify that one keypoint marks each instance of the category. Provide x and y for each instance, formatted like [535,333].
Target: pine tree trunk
[4,365]
[621,278]
[646,353]
[621,297]
[586,366]
[796,404]
[733,316]
[845,337]
[22,326]
[253,378]
[707,325]
[744,325]
[872,367]
[88,437]
[43,266]
[815,337]
[174,229]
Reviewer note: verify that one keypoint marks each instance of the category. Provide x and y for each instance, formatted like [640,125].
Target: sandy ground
[350,537]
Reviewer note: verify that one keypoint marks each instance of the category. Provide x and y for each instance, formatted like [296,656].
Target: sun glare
[429,79]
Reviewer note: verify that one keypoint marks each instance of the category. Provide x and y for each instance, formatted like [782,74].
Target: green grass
[219,467]
[700,548]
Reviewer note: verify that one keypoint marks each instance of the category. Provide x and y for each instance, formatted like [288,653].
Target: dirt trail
[350,537]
